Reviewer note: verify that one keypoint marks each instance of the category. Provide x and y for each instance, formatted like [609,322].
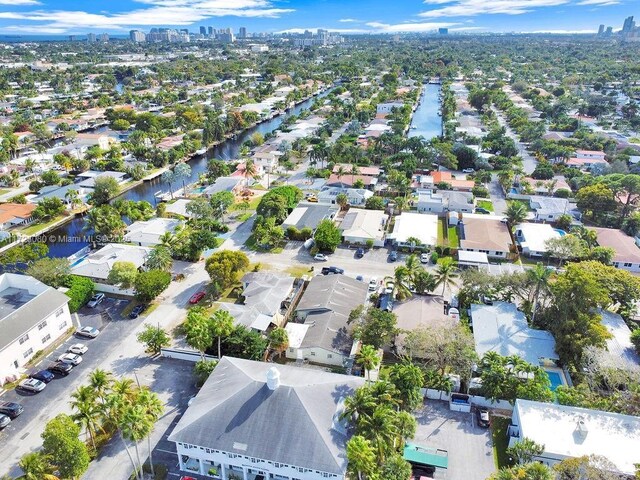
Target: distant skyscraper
[628,25]
[608,32]
[137,36]
[601,30]
[242,33]
[184,30]
[211,32]
[91,37]
[203,30]
[443,31]
[103,37]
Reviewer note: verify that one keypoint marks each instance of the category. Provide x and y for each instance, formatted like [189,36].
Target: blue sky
[349,16]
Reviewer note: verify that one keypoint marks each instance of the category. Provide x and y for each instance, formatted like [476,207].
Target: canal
[427,120]
[72,236]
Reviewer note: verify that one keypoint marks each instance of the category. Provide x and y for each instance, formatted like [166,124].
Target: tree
[377,328]
[169,177]
[48,208]
[343,200]
[217,168]
[327,236]
[530,471]
[106,223]
[564,221]
[88,411]
[50,177]
[220,203]
[223,267]
[278,340]
[60,441]
[595,200]
[395,468]
[202,369]
[104,189]
[221,325]
[516,213]
[159,258]
[566,247]
[361,457]
[593,467]
[446,273]
[267,234]
[198,330]
[245,343]
[380,430]
[249,171]
[200,208]
[539,278]
[73,198]
[374,203]
[50,271]
[181,172]
[155,338]
[123,274]
[37,466]
[408,379]
[273,206]
[525,450]
[150,284]
[369,359]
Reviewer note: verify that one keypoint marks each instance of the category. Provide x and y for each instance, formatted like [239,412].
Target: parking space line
[166,451]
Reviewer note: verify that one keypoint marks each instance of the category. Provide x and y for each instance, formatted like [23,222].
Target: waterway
[427,119]
[73,236]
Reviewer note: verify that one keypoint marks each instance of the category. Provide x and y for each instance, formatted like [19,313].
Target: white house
[549,209]
[598,154]
[429,201]
[384,108]
[148,233]
[532,237]
[571,432]
[627,253]
[360,226]
[32,317]
[423,227]
[257,420]
[324,311]
[357,196]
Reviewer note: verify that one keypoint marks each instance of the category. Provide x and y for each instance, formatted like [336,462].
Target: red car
[196,297]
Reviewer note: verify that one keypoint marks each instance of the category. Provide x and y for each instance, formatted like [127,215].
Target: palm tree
[72,197]
[154,408]
[168,177]
[361,456]
[221,325]
[516,213]
[361,403]
[36,466]
[340,172]
[250,171]
[116,404]
[135,424]
[88,411]
[368,358]
[159,258]
[100,381]
[168,240]
[379,429]
[343,200]
[406,427]
[354,171]
[182,171]
[539,277]
[413,266]
[446,273]
[401,203]
[400,280]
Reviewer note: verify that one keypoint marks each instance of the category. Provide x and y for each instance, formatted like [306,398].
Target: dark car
[137,310]
[360,253]
[332,271]
[482,415]
[11,409]
[483,211]
[385,302]
[4,421]
[43,375]
[196,297]
[61,368]
[393,256]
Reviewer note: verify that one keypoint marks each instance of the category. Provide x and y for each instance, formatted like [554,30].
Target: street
[528,162]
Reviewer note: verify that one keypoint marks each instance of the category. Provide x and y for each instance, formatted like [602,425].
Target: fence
[475,400]
[181,354]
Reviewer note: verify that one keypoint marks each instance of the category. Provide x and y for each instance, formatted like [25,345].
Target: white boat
[201,151]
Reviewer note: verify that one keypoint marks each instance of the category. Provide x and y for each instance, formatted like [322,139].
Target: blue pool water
[513,191]
[561,232]
[555,379]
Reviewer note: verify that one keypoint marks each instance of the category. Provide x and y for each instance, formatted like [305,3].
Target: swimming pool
[562,233]
[555,379]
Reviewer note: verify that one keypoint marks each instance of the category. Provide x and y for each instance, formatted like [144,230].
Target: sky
[50,17]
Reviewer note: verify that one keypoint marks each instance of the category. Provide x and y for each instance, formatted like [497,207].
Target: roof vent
[581,427]
[273,378]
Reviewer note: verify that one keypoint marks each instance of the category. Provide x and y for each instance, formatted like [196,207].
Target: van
[385,302]
[309,243]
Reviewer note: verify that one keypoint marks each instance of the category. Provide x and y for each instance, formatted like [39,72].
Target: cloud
[17,3]
[334,30]
[159,13]
[564,32]
[349,20]
[465,8]
[409,27]
[601,3]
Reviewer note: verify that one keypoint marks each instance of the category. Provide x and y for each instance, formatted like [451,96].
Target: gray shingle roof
[309,215]
[295,424]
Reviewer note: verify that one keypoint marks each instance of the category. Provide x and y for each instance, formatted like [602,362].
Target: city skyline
[63,17]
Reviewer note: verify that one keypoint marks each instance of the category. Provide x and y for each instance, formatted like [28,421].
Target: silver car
[71,358]
[95,300]
[4,420]
[32,385]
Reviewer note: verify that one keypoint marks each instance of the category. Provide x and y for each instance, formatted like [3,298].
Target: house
[97,265]
[585,163]
[14,214]
[597,154]
[503,329]
[619,346]
[419,226]
[258,420]
[370,171]
[462,202]
[532,238]
[356,196]
[627,253]
[234,185]
[89,177]
[148,233]
[572,432]
[485,234]
[32,317]
[265,296]
[348,181]
[361,226]
[321,321]
[429,201]
[549,209]
[468,258]
[308,214]
[387,107]
[178,208]
[54,191]
[456,184]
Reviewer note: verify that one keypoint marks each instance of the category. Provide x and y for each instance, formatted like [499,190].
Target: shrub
[150,284]
[80,291]
[480,191]
[635,339]
[434,257]
[562,193]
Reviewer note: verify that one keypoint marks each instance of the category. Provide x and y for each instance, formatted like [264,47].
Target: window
[59,312]
[290,350]
[42,325]
[46,338]
[627,264]
[313,354]
[329,355]
[27,353]
[24,338]
[63,325]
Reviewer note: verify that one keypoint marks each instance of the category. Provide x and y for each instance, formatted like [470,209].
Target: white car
[71,358]
[424,258]
[78,349]
[32,385]
[373,284]
[389,287]
[468,170]
[89,332]
[95,300]
[321,257]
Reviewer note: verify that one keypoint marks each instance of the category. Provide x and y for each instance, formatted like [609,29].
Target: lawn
[486,204]
[298,271]
[37,227]
[452,235]
[253,204]
[499,426]
[441,231]
[4,191]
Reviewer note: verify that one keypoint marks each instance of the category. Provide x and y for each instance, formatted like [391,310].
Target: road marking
[166,451]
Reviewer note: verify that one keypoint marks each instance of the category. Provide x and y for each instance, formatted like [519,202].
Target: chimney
[581,428]
[273,378]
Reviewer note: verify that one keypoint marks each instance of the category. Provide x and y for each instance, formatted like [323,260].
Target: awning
[427,456]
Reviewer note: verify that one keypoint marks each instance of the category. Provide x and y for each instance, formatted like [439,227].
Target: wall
[476,400]
[105,288]
[317,355]
[180,354]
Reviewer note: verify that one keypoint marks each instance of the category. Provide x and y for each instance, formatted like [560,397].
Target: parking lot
[469,446]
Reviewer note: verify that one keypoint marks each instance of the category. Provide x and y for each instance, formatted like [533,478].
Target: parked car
[32,385]
[385,302]
[89,332]
[137,310]
[71,358]
[393,256]
[360,278]
[312,199]
[424,258]
[320,257]
[388,288]
[482,416]
[332,271]
[360,253]
[196,297]
[43,375]
[11,409]
[468,170]
[483,211]
[373,284]
[96,300]
[61,368]
[78,348]
[4,421]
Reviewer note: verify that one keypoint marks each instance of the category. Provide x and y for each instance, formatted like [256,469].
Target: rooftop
[364,223]
[150,231]
[308,214]
[484,232]
[422,226]
[98,264]
[624,245]
[534,235]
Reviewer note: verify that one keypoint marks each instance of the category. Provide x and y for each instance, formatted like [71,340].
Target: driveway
[497,196]
[469,447]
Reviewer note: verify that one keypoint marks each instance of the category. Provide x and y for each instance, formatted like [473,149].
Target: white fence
[180,354]
[476,400]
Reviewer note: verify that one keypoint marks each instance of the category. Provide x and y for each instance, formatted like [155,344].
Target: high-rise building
[203,30]
[91,37]
[601,30]
[628,25]
[211,32]
[103,37]
[137,36]
[184,30]
[242,33]
[608,32]
[226,37]
[443,31]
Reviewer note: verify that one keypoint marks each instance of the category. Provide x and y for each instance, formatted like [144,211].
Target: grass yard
[4,191]
[298,271]
[452,235]
[441,231]
[37,227]
[499,426]
[253,204]
[486,204]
